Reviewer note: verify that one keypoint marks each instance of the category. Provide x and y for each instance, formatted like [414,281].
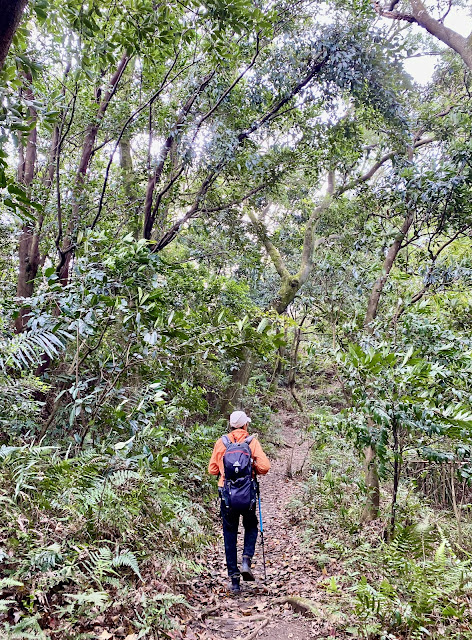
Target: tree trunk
[373,304]
[291,284]
[239,380]
[293,365]
[29,257]
[371,508]
[10,16]
[126,164]
[28,250]
[67,249]
[396,478]
[457,512]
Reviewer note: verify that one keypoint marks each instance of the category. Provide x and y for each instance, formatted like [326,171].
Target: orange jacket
[261,462]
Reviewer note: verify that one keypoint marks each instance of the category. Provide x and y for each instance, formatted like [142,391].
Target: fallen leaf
[105,635]
[132,636]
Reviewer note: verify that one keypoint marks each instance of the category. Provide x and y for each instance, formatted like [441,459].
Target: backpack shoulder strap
[226,441]
[249,439]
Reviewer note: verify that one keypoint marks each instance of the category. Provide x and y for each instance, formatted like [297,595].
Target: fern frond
[92,598]
[170,599]
[47,558]
[122,476]
[5,583]
[127,559]
[25,349]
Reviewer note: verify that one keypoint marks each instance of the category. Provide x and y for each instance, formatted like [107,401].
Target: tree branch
[165,83]
[272,251]
[401,310]
[174,230]
[420,16]
[230,88]
[150,212]
[228,205]
[378,165]
[316,66]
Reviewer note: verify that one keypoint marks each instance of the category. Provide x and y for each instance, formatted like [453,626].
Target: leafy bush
[80,531]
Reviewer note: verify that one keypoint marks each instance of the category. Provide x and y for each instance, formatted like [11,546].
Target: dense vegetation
[206,205]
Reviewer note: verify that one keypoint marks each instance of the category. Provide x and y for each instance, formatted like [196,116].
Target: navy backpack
[239,489]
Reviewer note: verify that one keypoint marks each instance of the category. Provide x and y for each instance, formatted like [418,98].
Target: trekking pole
[261,525]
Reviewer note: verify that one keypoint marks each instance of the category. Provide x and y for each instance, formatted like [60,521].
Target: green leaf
[263,324]
[122,445]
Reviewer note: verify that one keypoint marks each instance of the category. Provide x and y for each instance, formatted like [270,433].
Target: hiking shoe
[246,572]
[235,588]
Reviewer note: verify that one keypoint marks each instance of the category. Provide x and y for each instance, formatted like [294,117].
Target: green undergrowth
[100,538]
[417,585]
[99,535]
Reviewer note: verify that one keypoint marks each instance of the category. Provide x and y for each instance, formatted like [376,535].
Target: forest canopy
[220,204]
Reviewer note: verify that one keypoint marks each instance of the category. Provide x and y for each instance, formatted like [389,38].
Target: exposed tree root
[301,605]
[254,633]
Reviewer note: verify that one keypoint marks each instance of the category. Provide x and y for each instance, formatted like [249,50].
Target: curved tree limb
[420,16]
[150,212]
[272,251]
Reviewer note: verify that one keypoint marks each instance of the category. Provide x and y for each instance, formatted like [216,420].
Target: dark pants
[230,533]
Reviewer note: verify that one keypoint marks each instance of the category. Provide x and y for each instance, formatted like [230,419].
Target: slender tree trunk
[293,365]
[371,508]
[238,383]
[457,512]
[151,209]
[281,359]
[28,249]
[396,477]
[126,164]
[29,256]
[67,249]
[373,304]
[10,16]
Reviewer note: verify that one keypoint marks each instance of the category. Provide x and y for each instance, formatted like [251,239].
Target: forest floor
[288,604]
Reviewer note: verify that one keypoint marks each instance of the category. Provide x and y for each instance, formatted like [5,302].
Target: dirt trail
[259,611]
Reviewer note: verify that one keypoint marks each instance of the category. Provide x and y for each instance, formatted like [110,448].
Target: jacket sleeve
[261,461]
[213,467]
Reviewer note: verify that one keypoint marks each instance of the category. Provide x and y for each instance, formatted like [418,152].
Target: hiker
[242,457]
